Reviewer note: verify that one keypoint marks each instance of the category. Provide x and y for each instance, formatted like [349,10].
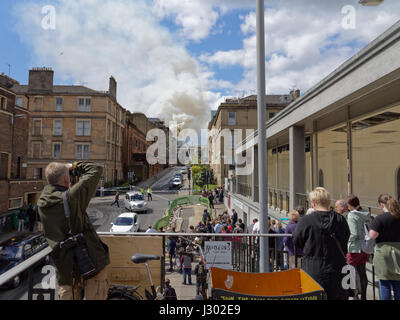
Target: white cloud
[155,72]
[98,38]
[305,41]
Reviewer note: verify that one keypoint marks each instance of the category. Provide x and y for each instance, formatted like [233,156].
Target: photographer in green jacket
[74,241]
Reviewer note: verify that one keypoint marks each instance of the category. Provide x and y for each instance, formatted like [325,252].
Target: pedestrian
[171,252]
[116,200]
[31,217]
[288,241]
[88,273]
[241,224]
[356,219]
[201,278]
[206,215]
[323,236]
[301,211]
[151,230]
[342,208]
[169,292]
[211,200]
[251,226]
[180,249]
[385,230]
[149,194]
[21,218]
[279,245]
[234,217]
[187,260]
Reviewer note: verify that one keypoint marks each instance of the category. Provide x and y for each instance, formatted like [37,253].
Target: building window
[109,107]
[36,150]
[4,166]
[108,129]
[59,104]
[37,173]
[271,115]
[37,103]
[232,119]
[37,127]
[57,127]
[137,144]
[82,151]
[18,102]
[57,150]
[14,203]
[3,103]
[84,104]
[83,128]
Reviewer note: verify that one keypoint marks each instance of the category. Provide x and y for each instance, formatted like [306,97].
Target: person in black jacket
[323,236]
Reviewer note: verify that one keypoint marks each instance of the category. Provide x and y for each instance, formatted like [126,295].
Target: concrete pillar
[297,165]
[254,175]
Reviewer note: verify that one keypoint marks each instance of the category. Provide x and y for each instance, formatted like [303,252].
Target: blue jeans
[385,287]
[188,272]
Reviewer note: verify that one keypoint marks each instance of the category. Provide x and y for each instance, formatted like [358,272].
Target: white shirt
[256,228]
[151,231]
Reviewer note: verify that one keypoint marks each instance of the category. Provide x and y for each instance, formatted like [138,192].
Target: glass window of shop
[332,161]
[283,178]
[271,169]
[376,156]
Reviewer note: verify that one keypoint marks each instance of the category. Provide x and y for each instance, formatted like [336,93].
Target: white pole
[262,141]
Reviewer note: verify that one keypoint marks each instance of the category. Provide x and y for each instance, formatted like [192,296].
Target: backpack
[367,244]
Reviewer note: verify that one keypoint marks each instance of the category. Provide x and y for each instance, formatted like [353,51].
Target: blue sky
[178,60]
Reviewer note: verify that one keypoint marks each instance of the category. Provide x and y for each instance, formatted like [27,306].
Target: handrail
[10,274]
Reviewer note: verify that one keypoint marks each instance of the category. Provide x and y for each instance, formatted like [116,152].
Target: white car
[177,182]
[134,201]
[183,171]
[126,222]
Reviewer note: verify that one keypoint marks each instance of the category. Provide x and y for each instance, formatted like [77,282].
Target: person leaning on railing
[385,229]
[323,236]
[58,229]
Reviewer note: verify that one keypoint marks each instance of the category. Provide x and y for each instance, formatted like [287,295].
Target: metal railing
[25,265]
[245,252]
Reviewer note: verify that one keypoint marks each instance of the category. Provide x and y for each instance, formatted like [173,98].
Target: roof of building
[60,90]
[276,100]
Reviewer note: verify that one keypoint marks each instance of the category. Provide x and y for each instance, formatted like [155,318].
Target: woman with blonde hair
[322,236]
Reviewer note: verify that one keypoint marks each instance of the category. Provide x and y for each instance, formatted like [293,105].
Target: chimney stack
[113,87]
[41,80]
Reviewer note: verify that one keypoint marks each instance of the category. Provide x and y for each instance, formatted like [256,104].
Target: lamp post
[262,140]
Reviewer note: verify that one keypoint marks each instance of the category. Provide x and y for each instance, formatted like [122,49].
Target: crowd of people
[328,240]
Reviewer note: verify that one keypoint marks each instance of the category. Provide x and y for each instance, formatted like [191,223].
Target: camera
[74,175]
[81,257]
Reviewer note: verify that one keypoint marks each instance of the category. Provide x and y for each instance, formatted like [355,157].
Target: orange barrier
[294,284]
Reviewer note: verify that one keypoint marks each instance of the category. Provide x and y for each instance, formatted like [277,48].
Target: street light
[371,3]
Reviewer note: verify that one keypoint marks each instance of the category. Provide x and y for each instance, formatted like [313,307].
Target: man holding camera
[80,257]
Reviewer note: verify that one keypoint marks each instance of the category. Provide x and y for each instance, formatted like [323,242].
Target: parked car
[18,249]
[134,201]
[183,171]
[126,222]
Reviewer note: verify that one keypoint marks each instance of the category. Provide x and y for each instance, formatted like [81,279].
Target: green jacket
[387,260]
[51,211]
[356,220]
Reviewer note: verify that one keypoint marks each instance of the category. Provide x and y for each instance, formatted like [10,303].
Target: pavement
[191,215]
